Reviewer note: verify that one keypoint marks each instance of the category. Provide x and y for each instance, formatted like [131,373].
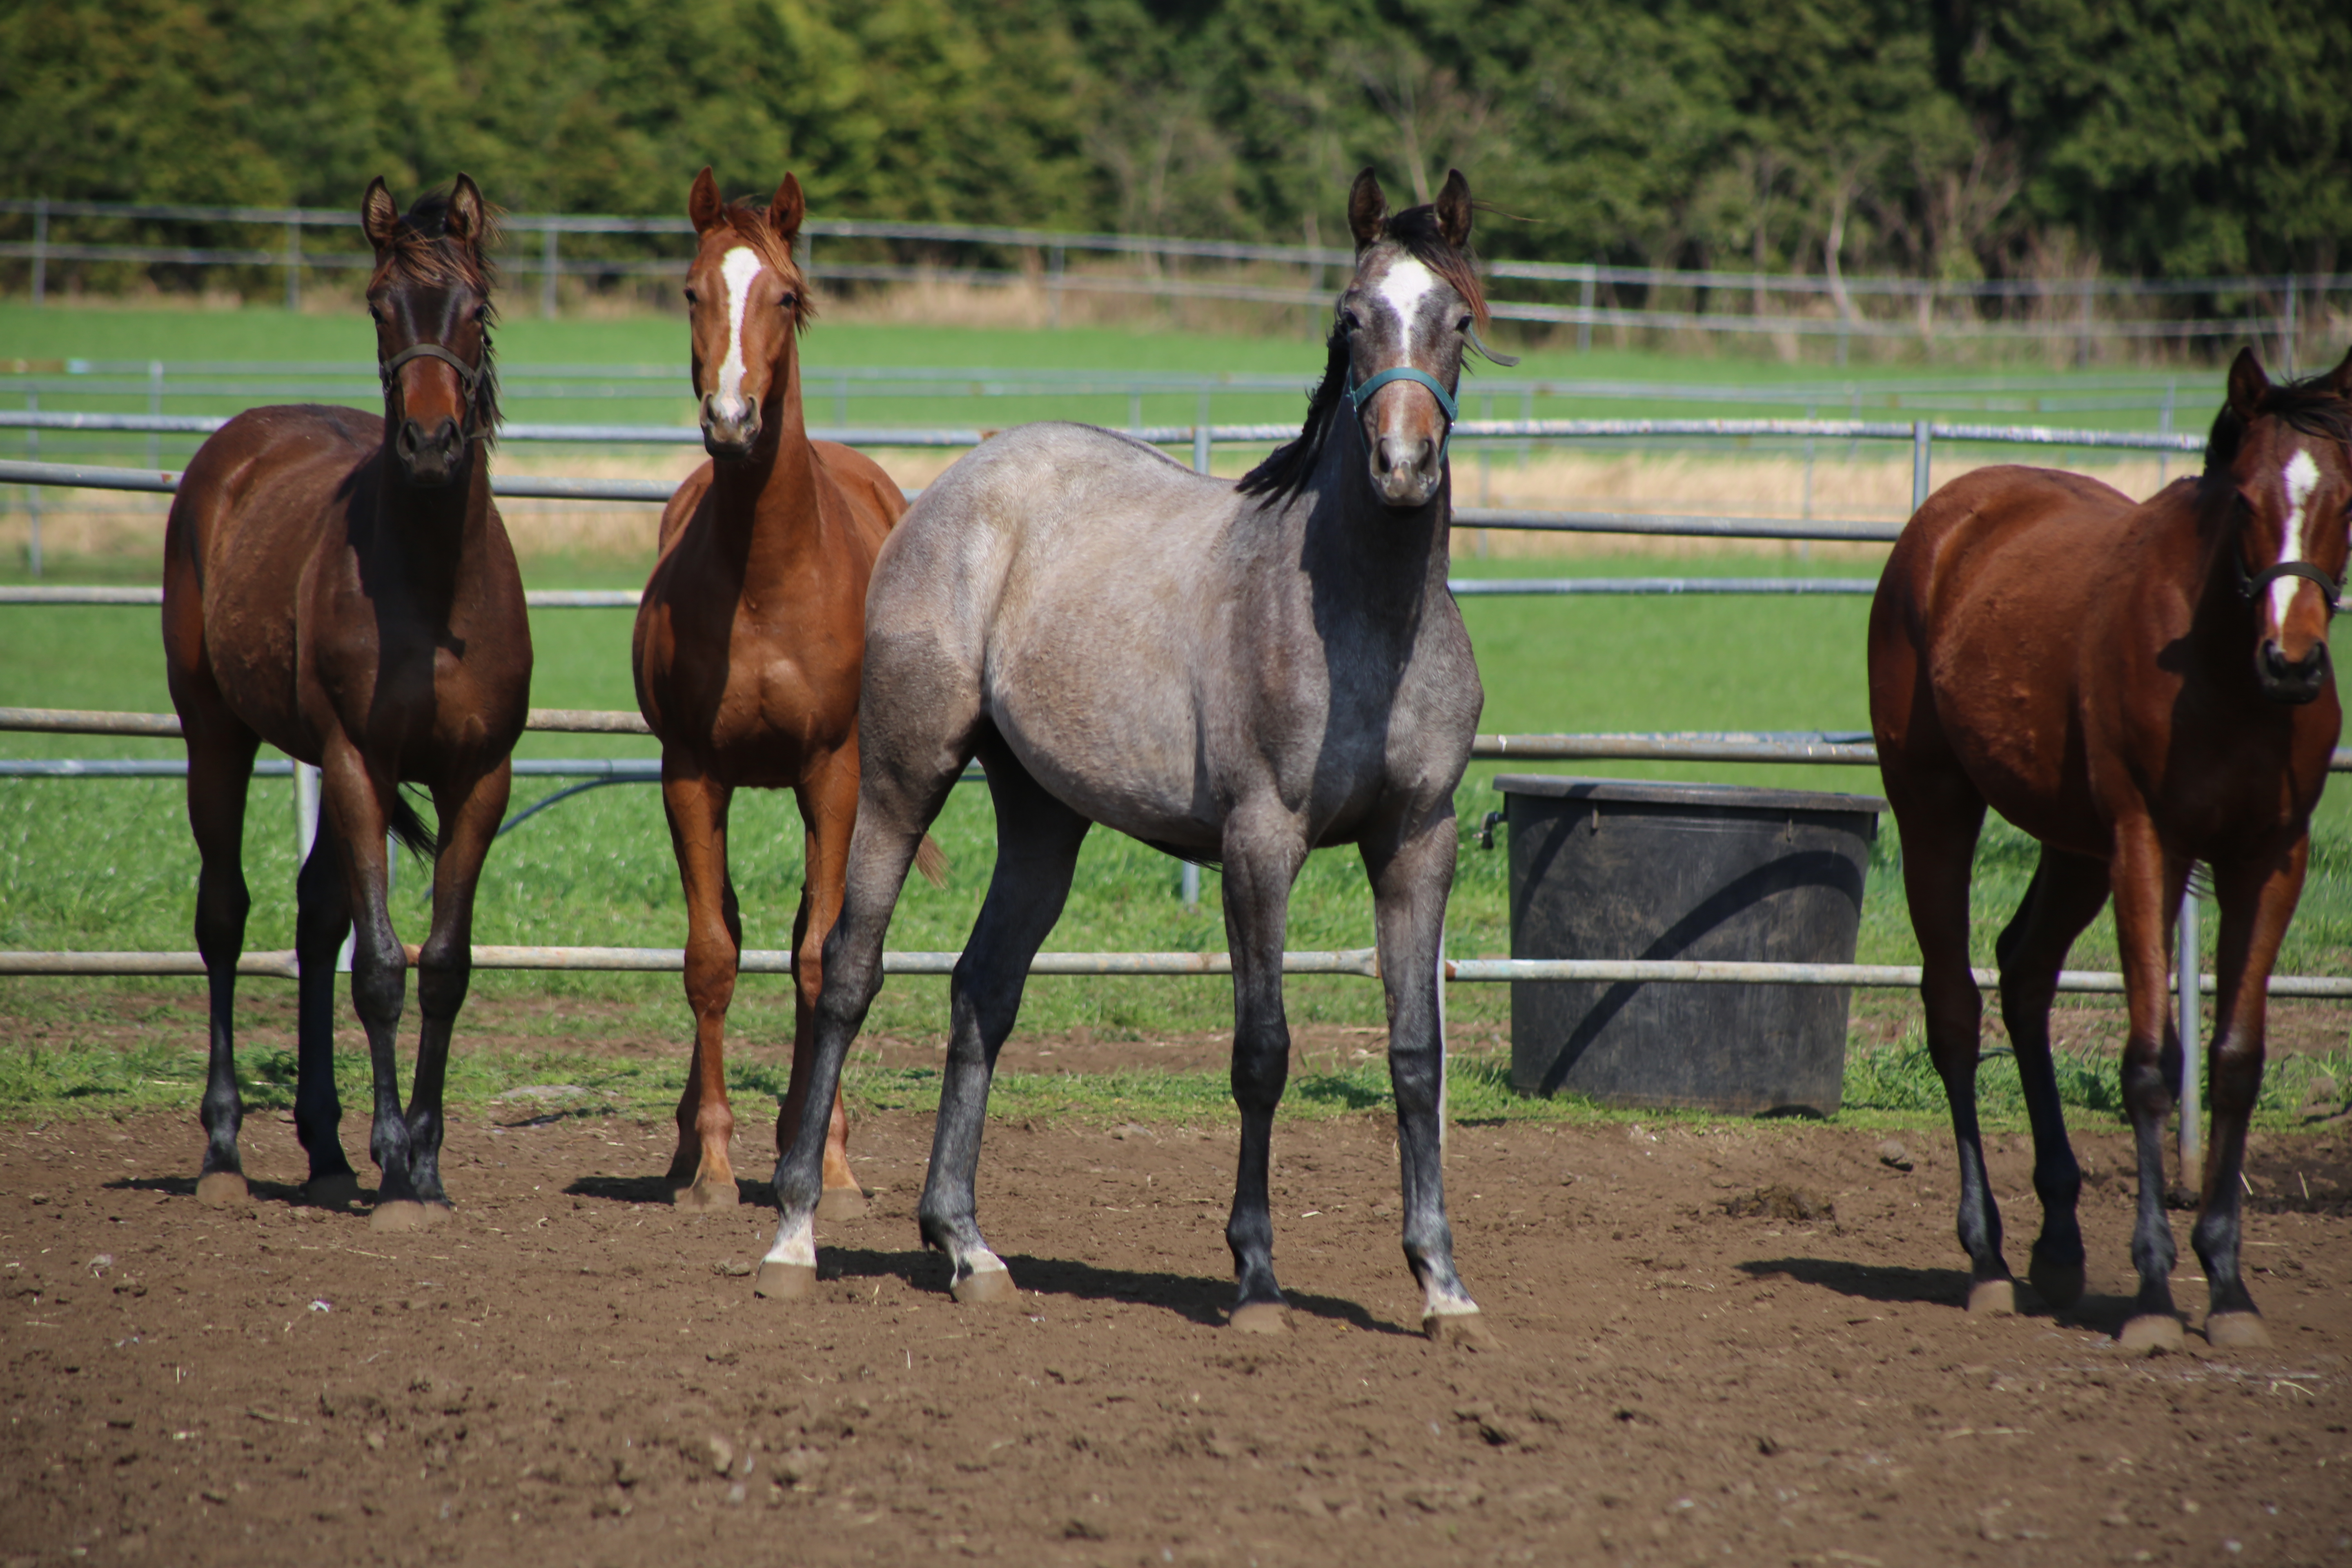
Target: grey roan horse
[1233,674]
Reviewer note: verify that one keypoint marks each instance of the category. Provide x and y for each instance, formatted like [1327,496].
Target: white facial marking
[739,267]
[2301,476]
[795,1242]
[1405,285]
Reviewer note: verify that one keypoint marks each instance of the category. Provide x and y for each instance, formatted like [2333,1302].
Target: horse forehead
[739,267]
[1405,285]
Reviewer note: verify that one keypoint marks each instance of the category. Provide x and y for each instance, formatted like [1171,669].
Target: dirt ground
[569,1370]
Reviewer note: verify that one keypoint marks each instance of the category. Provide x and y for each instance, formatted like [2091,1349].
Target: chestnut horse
[339,585]
[2139,687]
[749,644]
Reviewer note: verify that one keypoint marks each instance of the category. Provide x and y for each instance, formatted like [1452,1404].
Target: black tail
[409,828]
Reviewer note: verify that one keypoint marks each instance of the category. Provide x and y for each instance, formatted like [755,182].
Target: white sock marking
[739,267]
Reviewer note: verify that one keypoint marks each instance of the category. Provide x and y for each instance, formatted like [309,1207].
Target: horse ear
[1368,209]
[786,212]
[2340,378]
[379,214]
[2248,384]
[1453,209]
[703,203]
[463,220]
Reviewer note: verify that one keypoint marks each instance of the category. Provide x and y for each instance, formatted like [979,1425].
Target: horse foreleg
[2147,884]
[1264,847]
[1037,840]
[354,813]
[2068,890]
[1410,882]
[323,919]
[702,1173]
[445,962]
[828,804]
[220,763]
[2258,899]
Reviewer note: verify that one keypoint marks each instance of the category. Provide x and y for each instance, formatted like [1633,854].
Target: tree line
[1952,139]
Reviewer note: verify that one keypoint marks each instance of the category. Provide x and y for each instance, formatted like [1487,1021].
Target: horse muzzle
[1406,470]
[2289,681]
[729,431]
[430,457]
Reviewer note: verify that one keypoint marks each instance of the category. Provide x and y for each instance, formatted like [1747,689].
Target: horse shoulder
[679,509]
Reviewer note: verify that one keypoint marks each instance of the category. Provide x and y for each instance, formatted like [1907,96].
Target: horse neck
[765,504]
[1387,562]
[430,538]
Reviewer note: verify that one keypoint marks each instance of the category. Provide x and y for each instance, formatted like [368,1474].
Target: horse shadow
[1891,1284]
[186,1187]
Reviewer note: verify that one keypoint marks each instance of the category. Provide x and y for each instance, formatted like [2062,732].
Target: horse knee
[379,985]
[443,978]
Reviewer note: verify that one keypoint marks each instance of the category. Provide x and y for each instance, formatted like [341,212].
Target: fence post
[40,250]
[2286,339]
[1920,444]
[306,812]
[2164,426]
[2184,961]
[155,406]
[1053,286]
[1584,303]
[33,492]
[547,271]
[2083,339]
[293,264]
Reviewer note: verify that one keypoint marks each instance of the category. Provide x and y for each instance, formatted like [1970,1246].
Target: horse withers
[339,585]
[1233,673]
[747,653]
[2140,687]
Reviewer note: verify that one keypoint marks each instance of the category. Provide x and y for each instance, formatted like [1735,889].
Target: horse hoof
[786,1282]
[1992,1298]
[990,1287]
[2059,1284]
[707,1197]
[340,1190]
[222,1189]
[1261,1318]
[2152,1333]
[841,1203]
[402,1214]
[2237,1332]
[1467,1330]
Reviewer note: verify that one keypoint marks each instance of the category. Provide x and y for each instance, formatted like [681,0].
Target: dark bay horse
[1236,674]
[339,585]
[747,653]
[2139,687]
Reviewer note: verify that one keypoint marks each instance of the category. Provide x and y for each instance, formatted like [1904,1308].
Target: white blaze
[2301,476]
[1405,285]
[738,268]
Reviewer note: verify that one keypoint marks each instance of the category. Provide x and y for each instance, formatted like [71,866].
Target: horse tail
[931,861]
[409,828]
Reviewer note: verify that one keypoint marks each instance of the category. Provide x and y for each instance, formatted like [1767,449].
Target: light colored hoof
[222,1189]
[1992,1298]
[1467,1330]
[989,1288]
[339,1191]
[1261,1318]
[707,1197]
[2237,1332]
[841,1203]
[2153,1333]
[402,1214]
[2059,1284]
[786,1283]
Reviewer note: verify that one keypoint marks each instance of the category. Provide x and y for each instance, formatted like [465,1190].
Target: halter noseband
[1357,395]
[470,377]
[2250,585]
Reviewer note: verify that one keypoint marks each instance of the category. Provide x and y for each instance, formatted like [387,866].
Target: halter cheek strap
[468,377]
[1358,395]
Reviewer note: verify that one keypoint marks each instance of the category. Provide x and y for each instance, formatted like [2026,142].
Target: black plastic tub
[1607,869]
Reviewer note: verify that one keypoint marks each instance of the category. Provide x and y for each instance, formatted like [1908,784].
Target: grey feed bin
[1611,868]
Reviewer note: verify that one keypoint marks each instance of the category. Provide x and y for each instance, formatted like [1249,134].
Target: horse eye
[1348,320]
[1463,325]
[691,298]
[787,301]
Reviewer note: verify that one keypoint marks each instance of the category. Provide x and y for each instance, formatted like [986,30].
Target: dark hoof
[989,1288]
[404,1214]
[339,1189]
[2237,1332]
[713,1197]
[1467,1330]
[1992,1298]
[786,1283]
[2059,1284]
[222,1189]
[2152,1333]
[841,1203]
[1261,1318]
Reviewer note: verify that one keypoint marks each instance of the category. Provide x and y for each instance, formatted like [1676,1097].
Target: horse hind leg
[220,764]
[2067,891]
[828,807]
[323,917]
[1037,852]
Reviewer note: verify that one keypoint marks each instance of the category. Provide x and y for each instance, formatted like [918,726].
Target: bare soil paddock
[568,1371]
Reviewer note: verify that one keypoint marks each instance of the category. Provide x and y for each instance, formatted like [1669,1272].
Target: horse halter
[1445,402]
[2252,584]
[470,377]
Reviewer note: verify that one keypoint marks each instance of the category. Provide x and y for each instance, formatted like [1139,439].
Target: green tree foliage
[1953,138]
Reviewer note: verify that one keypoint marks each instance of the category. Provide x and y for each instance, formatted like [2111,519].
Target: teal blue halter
[1357,395]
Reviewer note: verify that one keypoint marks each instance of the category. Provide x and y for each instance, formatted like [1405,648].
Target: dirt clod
[1779,1202]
